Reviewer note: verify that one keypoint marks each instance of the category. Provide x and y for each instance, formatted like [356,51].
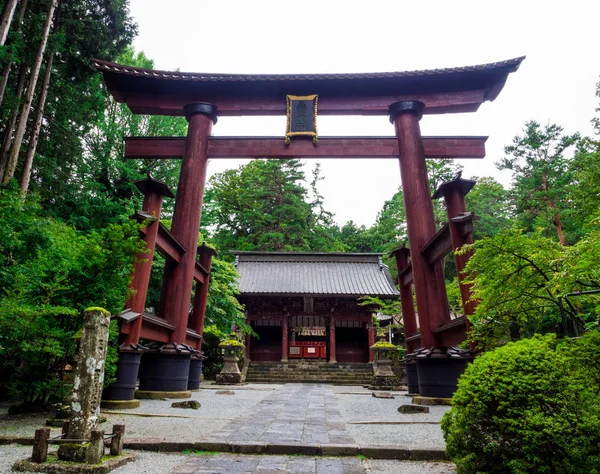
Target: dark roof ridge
[102,65]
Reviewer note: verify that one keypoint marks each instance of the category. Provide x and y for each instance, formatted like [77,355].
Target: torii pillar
[430,287]
[172,361]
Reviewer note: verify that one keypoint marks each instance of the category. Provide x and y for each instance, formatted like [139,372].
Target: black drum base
[165,372]
[195,374]
[438,376]
[412,377]
[128,368]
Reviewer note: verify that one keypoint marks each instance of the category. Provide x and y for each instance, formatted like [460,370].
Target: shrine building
[305,305]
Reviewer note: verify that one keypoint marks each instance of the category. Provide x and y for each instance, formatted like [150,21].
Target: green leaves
[525,407]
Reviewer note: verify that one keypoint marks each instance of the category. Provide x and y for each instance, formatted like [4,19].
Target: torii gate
[404,96]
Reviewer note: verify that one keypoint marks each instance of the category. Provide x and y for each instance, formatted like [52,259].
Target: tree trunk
[35,72]
[10,126]
[37,125]
[5,20]
[7,68]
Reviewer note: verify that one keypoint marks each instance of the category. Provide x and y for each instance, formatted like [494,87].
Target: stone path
[296,413]
[269,465]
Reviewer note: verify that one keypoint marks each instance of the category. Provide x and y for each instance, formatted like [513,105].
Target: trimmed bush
[522,408]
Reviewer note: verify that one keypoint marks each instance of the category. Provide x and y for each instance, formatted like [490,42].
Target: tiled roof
[104,66]
[314,274]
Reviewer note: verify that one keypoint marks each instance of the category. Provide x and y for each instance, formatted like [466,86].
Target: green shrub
[523,408]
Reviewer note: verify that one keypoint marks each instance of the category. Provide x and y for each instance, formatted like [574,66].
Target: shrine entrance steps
[310,372]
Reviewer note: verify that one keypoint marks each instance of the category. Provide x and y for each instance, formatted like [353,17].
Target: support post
[186,217]
[116,443]
[406,297]
[199,312]
[332,351]
[429,282]
[284,339]
[40,445]
[454,193]
[153,191]
[95,451]
[371,339]
[248,341]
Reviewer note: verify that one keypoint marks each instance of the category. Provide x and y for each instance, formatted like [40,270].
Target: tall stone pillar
[406,298]
[284,339]
[87,383]
[430,288]
[332,351]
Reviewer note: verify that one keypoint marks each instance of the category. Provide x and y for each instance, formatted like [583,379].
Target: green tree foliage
[525,407]
[223,309]
[525,283]
[491,202]
[49,274]
[541,174]
[265,205]
[101,187]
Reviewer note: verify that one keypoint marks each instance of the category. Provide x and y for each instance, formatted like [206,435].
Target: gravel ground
[355,407]
[410,467]
[217,410]
[146,462]
[160,463]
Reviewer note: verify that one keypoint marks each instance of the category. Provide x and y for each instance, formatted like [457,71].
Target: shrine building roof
[456,89]
[298,273]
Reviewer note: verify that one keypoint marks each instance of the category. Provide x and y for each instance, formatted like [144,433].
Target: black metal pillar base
[128,367]
[165,370]
[438,373]
[412,377]
[195,376]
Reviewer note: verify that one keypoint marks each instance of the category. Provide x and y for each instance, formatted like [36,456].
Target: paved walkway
[269,465]
[296,413]
[265,429]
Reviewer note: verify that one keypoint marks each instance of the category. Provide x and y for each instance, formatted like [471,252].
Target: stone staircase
[310,372]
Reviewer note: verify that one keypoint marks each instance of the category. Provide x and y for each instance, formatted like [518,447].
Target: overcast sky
[555,83]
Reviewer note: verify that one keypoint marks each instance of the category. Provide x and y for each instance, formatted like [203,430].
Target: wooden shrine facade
[305,305]
[405,97]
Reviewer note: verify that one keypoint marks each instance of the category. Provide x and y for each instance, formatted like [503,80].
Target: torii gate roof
[459,89]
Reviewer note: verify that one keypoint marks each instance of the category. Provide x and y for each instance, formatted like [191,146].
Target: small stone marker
[410,409]
[87,389]
[193,404]
[40,445]
[224,392]
[383,395]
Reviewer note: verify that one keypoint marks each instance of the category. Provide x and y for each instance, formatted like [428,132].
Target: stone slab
[60,467]
[420,400]
[382,394]
[119,404]
[151,395]
[405,409]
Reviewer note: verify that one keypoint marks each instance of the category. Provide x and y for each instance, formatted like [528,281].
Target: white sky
[555,83]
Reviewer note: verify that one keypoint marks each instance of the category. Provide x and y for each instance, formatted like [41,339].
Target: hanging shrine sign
[301,117]
[310,331]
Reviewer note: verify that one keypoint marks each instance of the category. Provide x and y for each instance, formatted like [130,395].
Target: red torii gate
[201,98]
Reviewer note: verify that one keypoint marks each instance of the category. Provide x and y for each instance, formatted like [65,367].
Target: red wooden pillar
[178,279]
[371,338]
[199,312]
[332,354]
[153,191]
[284,339]
[248,341]
[430,288]
[406,298]
[454,193]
